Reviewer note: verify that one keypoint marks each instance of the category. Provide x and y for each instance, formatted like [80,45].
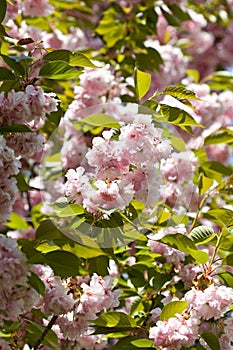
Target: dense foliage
[116,206]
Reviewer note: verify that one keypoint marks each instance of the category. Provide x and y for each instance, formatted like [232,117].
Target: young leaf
[58,70]
[173,308]
[16,222]
[142,82]
[201,233]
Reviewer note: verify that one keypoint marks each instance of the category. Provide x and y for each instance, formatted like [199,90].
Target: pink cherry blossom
[17,296]
[211,302]
[26,144]
[175,333]
[56,300]
[179,167]
[37,8]
[97,81]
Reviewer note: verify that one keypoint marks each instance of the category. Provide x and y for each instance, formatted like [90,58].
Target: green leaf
[177,116]
[55,116]
[29,249]
[64,264]
[142,343]
[74,59]
[179,12]
[133,343]
[99,265]
[36,283]
[83,251]
[222,217]
[222,135]
[204,183]
[228,260]
[151,60]
[3,32]
[176,142]
[173,308]
[142,82]
[16,66]
[6,74]
[58,55]
[194,74]
[71,210]
[79,59]
[15,128]
[115,320]
[215,170]
[226,278]
[2,10]
[111,28]
[21,183]
[201,233]
[186,245]
[180,92]
[48,231]
[159,279]
[34,331]
[16,222]
[211,339]
[221,80]
[171,18]
[102,120]
[58,70]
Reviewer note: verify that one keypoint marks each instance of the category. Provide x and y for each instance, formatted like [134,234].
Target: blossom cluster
[184,330]
[26,107]
[76,301]
[10,166]
[17,296]
[123,169]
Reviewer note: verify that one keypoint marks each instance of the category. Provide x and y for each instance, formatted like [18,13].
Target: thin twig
[47,329]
